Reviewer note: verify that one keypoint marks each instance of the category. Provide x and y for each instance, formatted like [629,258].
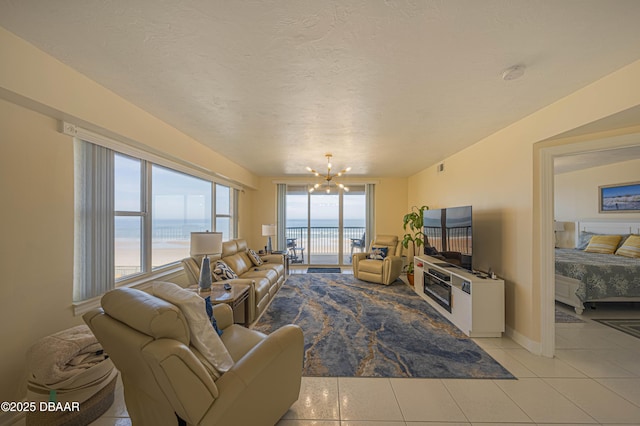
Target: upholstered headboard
[606,227]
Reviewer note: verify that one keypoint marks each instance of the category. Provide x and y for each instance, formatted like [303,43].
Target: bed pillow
[583,239]
[605,244]
[630,247]
[203,337]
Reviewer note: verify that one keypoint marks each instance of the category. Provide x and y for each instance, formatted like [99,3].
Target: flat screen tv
[450,232]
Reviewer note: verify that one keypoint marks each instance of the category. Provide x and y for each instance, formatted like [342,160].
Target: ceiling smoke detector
[513,73]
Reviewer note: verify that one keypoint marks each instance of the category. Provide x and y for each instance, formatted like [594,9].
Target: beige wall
[576,196]
[36,174]
[576,193]
[497,177]
[36,170]
[390,206]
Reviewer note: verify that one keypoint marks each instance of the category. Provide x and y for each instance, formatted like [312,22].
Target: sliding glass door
[321,228]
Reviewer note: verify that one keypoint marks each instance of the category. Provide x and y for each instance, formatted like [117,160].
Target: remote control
[227,286]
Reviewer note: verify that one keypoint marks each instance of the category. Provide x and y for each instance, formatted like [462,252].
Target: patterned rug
[353,328]
[629,326]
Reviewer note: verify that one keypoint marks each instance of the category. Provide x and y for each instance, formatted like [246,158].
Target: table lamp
[204,244]
[268,231]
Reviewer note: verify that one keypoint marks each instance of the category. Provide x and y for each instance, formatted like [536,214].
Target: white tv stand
[477,301]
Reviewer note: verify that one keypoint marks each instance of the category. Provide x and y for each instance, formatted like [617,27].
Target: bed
[583,277]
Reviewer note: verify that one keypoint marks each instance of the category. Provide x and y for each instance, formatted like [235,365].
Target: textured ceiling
[274,85]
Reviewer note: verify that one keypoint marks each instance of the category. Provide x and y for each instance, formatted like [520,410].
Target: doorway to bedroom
[549,212]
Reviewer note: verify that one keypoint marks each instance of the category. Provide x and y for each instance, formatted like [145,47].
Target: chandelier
[328,178]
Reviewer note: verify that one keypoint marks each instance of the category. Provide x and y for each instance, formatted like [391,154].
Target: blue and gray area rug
[353,328]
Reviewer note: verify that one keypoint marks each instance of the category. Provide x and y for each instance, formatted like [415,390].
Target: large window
[134,217]
[321,228]
[224,211]
[181,204]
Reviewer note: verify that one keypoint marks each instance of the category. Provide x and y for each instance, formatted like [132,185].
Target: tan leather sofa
[383,271]
[148,339]
[265,280]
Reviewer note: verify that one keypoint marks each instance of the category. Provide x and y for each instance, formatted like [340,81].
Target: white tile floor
[594,379]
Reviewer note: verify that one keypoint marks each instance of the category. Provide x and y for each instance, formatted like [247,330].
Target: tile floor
[594,379]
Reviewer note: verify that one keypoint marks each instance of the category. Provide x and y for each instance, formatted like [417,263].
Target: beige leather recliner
[148,339]
[383,271]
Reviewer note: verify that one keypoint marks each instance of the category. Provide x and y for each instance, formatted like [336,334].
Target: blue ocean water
[325,223]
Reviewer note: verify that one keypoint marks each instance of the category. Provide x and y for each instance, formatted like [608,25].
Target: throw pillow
[605,244]
[221,271]
[378,253]
[630,247]
[203,336]
[209,309]
[255,259]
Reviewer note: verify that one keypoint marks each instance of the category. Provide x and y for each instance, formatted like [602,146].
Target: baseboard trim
[530,345]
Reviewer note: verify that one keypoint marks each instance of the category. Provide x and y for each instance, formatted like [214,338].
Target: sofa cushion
[262,286]
[229,248]
[278,268]
[258,272]
[240,340]
[239,262]
[371,266]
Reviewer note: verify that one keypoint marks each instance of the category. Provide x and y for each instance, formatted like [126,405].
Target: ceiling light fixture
[328,178]
[513,73]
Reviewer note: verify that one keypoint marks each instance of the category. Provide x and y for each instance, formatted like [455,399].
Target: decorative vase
[410,278]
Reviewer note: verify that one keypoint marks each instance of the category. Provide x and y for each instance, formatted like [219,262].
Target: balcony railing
[323,240]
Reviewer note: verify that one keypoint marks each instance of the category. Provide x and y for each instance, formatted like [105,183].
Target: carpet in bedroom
[354,328]
[565,318]
[629,326]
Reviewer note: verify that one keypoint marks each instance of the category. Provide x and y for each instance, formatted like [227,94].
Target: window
[181,204]
[223,211]
[320,227]
[134,217]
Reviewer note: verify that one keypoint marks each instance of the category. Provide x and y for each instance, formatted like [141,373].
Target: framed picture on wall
[621,198]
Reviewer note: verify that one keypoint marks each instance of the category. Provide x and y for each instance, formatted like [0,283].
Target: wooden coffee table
[237,298]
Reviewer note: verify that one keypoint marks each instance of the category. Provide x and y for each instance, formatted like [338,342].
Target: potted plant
[414,220]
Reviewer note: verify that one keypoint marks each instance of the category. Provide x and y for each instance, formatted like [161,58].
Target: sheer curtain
[281,219]
[370,220]
[94,220]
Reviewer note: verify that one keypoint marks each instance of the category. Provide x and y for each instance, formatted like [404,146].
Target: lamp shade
[268,230]
[204,243]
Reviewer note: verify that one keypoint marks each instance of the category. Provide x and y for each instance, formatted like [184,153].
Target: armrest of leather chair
[275,362]
[391,267]
[223,315]
[182,377]
[356,257]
